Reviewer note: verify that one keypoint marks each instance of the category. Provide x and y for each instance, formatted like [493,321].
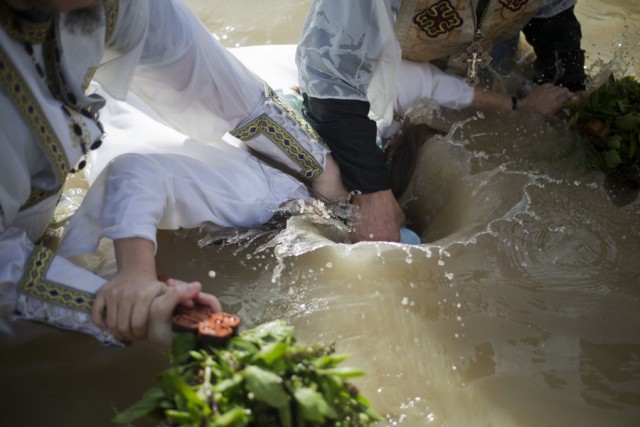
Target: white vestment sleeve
[198,87]
[37,285]
[139,193]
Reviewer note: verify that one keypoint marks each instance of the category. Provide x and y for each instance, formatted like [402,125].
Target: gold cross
[475,57]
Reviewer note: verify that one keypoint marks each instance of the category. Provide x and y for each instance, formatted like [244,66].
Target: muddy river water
[522,309]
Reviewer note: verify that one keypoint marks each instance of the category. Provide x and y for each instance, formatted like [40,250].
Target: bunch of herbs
[610,121]
[260,377]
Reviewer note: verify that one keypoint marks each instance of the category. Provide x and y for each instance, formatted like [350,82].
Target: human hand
[176,292]
[547,99]
[377,216]
[122,305]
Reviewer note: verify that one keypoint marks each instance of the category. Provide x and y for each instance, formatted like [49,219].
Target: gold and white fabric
[153,177]
[435,29]
[352,49]
[156,49]
[349,50]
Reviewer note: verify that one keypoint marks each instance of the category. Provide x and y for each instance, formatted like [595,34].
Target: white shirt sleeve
[199,88]
[417,81]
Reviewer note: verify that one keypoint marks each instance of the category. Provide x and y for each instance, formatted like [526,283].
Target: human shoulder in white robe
[163,53]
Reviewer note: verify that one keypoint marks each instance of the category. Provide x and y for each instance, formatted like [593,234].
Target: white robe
[160,51]
[175,182]
[349,50]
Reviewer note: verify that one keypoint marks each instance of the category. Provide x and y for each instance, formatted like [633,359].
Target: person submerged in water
[348,59]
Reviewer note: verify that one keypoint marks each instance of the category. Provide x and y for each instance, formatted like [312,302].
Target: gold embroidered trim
[111,9]
[37,195]
[439,18]
[264,125]
[88,77]
[514,5]
[23,30]
[24,100]
[35,284]
[295,116]
[404,19]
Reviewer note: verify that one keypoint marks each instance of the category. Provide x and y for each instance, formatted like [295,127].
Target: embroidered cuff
[279,133]
[62,306]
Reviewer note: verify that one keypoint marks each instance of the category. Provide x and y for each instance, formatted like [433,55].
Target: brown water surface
[523,309]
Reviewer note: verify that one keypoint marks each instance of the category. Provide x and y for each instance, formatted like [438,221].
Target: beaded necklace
[43,32]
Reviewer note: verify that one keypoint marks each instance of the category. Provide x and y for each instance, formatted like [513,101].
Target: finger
[112,317]
[139,318]
[98,312]
[165,303]
[123,325]
[140,311]
[175,282]
[210,300]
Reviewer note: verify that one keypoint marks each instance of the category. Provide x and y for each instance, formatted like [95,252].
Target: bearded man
[50,51]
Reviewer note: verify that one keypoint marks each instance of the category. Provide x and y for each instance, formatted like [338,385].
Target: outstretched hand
[135,305]
[376,216]
[547,99]
[175,293]
[122,305]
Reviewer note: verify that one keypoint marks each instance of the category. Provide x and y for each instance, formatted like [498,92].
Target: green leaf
[276,331]
[266,386]
[272,352]
[313,406]
[342,372]
[611,159]
[613,142]
[181,345]
[181,418]
[149,402]
[192,400]
[228,383]
[243,347]
[628,122]
[329,360]
[236,417]
[284,415]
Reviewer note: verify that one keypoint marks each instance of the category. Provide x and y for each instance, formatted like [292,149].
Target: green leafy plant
[610,121]
[261,377]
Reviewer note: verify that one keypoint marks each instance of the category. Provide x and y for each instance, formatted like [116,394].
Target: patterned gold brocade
[264,125]
[35,284]
[433,29]
[111,8]
[296,117]
[26,103]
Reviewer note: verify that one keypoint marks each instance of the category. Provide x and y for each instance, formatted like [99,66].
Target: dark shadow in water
[623,186]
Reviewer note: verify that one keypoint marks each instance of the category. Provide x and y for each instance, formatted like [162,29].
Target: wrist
[135,255]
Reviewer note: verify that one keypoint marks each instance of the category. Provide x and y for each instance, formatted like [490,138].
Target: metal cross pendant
[475,57]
